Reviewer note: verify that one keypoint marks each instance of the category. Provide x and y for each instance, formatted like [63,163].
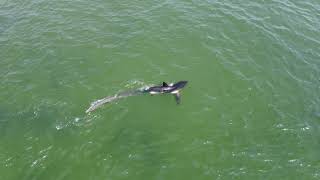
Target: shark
[164,88]
[173,88]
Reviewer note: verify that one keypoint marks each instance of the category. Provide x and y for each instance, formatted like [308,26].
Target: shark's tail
[98,103]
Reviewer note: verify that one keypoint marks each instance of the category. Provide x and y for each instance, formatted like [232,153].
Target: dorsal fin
[164,84]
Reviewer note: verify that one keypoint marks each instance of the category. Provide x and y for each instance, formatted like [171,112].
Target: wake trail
[98,103]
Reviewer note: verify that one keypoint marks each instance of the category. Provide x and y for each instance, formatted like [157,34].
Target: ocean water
[251,109]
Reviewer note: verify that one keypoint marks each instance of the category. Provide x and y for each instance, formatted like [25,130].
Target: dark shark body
[173,88]
[167,89]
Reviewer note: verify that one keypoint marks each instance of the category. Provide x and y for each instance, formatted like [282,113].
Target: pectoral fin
[177,97]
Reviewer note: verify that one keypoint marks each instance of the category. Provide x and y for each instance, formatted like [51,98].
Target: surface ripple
[251,109]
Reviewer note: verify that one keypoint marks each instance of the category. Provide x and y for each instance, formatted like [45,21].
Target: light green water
[251,109]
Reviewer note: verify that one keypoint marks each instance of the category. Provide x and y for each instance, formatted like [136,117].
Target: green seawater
[251,109]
